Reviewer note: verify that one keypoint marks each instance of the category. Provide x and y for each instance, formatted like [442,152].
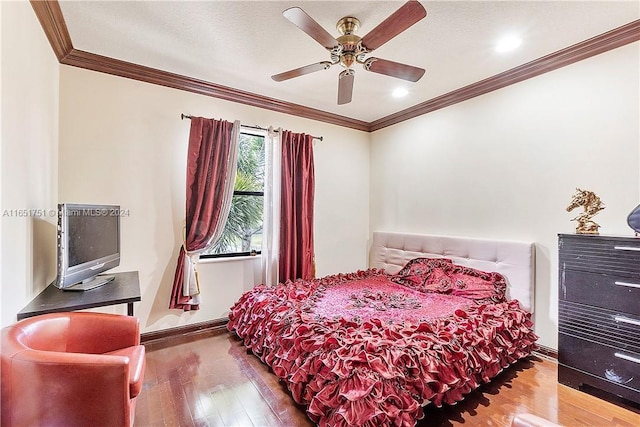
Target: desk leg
[130,309]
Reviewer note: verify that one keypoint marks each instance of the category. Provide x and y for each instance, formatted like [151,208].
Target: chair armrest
[101,333]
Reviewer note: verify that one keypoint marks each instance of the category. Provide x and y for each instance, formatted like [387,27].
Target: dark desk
[123,289]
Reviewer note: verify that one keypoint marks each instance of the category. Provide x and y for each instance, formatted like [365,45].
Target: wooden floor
[208,379]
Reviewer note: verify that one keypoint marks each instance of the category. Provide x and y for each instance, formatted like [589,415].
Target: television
[88,244]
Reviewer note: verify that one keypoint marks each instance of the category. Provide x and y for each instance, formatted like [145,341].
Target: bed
[433,318]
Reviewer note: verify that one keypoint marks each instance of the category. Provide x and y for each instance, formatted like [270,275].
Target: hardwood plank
[166,403]
[199,402]
[209,379]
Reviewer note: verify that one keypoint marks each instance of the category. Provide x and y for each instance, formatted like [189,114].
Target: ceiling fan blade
[345,86]
[410,13]
[301,71]
[307,24]
[394,69]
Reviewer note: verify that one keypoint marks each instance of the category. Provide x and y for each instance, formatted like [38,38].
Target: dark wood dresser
[599,313]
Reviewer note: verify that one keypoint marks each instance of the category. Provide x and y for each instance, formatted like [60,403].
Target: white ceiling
[240,44]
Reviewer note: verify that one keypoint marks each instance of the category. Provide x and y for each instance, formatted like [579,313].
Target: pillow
[444,277]
[481,286]
[414,273]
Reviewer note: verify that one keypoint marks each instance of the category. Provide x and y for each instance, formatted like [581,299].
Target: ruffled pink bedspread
[360,350]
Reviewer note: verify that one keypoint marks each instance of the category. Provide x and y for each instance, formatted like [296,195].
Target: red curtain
[207,172]
[296,201]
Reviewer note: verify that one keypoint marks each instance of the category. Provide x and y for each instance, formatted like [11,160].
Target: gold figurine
[592,205]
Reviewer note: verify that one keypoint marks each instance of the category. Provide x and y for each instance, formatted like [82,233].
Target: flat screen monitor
[88,244]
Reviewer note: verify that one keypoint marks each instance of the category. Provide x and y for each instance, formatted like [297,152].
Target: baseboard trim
[209,325]
[547,352]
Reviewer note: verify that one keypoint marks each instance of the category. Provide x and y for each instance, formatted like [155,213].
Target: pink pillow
[444,277]
[481,286]
[415,272]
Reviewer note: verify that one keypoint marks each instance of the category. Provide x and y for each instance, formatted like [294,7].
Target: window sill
[227,259]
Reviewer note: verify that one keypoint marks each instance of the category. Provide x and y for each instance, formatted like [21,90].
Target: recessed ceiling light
[399,92]
[508,43]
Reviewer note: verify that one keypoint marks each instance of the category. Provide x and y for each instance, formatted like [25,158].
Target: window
[242,233]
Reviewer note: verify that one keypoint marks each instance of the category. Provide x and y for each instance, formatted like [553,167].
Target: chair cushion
[136,367]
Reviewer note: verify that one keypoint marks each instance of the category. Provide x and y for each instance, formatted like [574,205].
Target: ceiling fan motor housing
[352,50]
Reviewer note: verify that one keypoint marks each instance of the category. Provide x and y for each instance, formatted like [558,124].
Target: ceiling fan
[350,48]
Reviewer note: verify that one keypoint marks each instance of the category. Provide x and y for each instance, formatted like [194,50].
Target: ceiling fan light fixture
[347,60]
[508,44]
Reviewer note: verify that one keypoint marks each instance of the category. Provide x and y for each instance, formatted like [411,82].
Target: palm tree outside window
[242,234]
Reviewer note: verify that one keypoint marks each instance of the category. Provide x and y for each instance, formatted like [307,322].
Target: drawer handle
[630,285]
[624,319]
[627,248]
[627,357]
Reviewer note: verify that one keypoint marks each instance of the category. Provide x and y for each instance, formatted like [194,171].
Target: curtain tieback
[191,282]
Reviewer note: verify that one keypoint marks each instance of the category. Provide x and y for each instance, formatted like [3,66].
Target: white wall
[122,142]
[29,85]
[504,165]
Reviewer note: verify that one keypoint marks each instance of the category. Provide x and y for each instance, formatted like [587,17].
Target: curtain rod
[186,116]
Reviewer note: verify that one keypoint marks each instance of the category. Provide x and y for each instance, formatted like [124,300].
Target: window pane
[250,175]
[243,230]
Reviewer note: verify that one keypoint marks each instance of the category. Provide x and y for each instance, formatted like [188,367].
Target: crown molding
[50,16]
[103,64]
[52,21]
[620,36]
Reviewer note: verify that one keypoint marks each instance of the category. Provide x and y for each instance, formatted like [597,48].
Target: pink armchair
[71,369]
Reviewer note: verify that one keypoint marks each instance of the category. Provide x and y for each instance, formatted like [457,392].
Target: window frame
[252,132]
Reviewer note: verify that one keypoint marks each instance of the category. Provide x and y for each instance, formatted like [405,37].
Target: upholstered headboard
[514,260]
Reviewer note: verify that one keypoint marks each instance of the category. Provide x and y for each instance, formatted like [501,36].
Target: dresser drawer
[615,366]
[607,291]
[599,254]
[607,327]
